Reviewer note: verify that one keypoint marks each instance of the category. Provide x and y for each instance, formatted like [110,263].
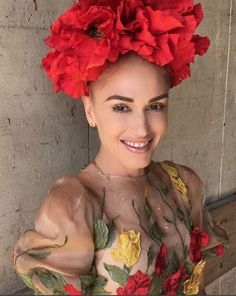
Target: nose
[141,126]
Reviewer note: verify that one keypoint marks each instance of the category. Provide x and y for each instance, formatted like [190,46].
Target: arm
[61,246]
[200,215]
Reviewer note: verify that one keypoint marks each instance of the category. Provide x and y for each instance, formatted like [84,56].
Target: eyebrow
[125,99]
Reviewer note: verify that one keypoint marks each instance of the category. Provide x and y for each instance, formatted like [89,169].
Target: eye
[158,107]
[120,108]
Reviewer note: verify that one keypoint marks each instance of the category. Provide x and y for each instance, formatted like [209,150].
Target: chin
[140,164]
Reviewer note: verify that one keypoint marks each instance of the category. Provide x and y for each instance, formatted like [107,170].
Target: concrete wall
[44,136]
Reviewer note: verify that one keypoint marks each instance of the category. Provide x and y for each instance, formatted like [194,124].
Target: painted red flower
[93,33]
[71,290]
[172,282]
[220,250]
[138,284]
[199,239]
[160,264]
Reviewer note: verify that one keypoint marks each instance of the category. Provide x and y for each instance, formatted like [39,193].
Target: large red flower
[93,33]
[178,5]
[138,284]
[172,282]
[71,290]
[160,264]
[199,239]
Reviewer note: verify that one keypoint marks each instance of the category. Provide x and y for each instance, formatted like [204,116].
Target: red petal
[178,5]
[180,74]
[161,22]
[198,12]
[201,44]
[71,290]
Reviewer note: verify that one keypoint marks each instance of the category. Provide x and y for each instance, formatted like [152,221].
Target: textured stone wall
[44,136]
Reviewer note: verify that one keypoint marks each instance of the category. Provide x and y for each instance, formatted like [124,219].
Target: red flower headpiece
[94,32]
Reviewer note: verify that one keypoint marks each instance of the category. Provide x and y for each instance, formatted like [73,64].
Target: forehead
[131,76]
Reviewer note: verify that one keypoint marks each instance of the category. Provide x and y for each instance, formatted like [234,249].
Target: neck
[112,166]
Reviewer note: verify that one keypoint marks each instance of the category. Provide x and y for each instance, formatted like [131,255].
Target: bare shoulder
[69,186]
[65,189]
[186,173]
[195,189]
[63,198]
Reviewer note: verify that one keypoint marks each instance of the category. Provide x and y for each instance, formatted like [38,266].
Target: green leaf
[150,255]
[173,264]
[86,281]
[111,234]
[93,271]
[59,278]
[164,188]
[184,219]
[180,214]
[92,282]
[39,254]
[188,268]
[27,279]
[99,291]
[117,274]
[100,233]
[185,251]
[148,209]
[100,281]
[156,285]
[51,280]
[157,232]
[45,280]
[127,269]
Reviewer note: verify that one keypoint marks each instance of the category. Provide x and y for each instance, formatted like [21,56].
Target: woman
[125,224]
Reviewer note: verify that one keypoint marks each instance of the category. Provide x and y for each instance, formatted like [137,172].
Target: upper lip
[137,142]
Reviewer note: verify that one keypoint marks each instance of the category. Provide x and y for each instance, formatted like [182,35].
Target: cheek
[110,122]
[109,128]
[159,123]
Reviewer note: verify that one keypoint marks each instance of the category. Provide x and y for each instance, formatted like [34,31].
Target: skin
[138,121]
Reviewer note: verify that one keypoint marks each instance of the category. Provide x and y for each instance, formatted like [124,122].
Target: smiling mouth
[138,146]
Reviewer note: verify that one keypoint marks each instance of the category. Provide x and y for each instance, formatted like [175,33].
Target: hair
[130,58]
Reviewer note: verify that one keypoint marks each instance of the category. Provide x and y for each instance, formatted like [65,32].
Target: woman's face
[128,103]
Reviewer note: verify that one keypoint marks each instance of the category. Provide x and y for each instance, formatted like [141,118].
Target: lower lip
[137,150]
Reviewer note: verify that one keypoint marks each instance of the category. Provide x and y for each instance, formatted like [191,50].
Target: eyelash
[162,107]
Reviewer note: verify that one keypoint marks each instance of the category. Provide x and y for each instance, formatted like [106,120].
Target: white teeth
[136,145]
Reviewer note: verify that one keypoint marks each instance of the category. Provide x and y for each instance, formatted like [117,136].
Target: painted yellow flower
[191,286]
[129,248]
[176,180]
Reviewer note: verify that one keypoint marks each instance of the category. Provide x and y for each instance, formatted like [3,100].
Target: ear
[88,108]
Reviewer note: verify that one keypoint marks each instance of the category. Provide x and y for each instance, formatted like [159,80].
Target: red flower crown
[94,32]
